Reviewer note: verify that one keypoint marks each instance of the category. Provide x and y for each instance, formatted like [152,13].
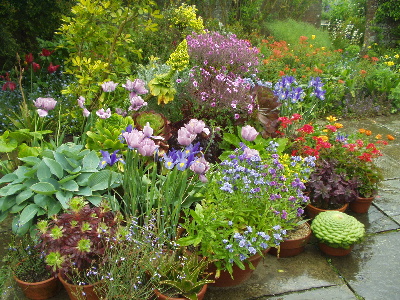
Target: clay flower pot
[334,251]
[80,292]
[200,295]
[40,290]
[313,211]
[292,247]
[361,205]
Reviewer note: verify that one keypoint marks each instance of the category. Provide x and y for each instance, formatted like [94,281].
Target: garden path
[371,271]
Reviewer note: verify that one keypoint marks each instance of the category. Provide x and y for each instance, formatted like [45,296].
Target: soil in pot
[41,290]
[294,242]
[81,292]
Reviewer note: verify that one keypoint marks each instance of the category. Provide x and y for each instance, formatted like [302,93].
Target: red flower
[9,85]
[331,128]
[365,157]
[307,128]
[374,58]
[285,121]
[52,68]
[281,73]
[296,117]
[46,52]
[29,58]
[36,67]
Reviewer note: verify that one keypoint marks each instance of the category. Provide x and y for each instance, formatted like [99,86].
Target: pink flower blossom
[136,103]
[147,130]
[135,87]
[109,86]
[185,138]
[81,102]
[104,114]
[42,113]
[195,126]
[85,112]
[147,147]
[133,138]
[249,133]
[45,103]
[200,166]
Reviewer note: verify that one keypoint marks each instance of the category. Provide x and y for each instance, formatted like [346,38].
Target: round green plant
[337,229]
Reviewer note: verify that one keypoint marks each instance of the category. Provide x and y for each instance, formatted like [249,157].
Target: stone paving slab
[372,269]
[274,276]
[389,200]
[339,292]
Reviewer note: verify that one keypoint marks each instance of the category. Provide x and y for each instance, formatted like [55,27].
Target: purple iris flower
[109,159]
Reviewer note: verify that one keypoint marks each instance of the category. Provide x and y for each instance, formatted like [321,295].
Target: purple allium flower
[103,114]
[249,133]
[109,86]
[135,87]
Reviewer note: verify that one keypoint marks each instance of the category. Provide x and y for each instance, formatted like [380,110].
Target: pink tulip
[45,103]
[133,138]
[249,133]
[185,138]
[195,126]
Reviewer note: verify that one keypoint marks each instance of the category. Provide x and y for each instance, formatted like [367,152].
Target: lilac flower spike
[249,133]
[109,86]
[104,114]
[135,87]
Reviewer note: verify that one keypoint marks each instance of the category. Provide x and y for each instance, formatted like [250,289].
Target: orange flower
[390,137]
[361,130]
[368,132]
[338,125]
[374,58]
[378,136]
[281,73]
[340,81]
[363,72]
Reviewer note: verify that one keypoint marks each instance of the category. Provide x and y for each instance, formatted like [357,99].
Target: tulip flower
[185,138]
[135,87]
[104,114]
[195,126]
[249,133]
[109,86]
[52,68]
[45,103]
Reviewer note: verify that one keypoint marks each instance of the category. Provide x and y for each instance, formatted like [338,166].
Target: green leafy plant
[337,229]
[105,132]
[43,185]
[181,274]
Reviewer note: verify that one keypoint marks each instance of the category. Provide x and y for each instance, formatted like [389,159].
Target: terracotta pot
[361,205]
[312,211]
[200,295]
[334,251]
[239,275]
[80,292]
[40,290]
[289,248]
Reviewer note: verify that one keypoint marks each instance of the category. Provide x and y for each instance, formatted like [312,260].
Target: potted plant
[329,189]
[28,268]
[74,243]
[180,275]
[337,232]
[228,227]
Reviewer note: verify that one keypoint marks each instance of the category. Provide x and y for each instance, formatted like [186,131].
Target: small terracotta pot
[200,294]
[40,290]
[313,211]
[79,292]
[334,251]
[361,205]
[289,248]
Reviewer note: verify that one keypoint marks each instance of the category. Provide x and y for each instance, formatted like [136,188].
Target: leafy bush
[43,185]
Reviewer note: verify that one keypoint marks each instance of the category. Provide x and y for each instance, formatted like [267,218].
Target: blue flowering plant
[250,204]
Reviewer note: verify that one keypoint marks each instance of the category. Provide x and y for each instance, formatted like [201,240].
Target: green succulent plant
[337,229]
[104,135]
[157,121]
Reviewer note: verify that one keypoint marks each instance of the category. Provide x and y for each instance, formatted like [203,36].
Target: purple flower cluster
[217,50]
[142,140]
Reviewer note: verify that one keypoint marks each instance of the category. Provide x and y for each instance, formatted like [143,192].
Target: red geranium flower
[29,58]
[9,85]
[46,52]
[52,68]
[307,128]
[36,67]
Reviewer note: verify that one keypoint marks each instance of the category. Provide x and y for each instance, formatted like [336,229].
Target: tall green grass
[290,30]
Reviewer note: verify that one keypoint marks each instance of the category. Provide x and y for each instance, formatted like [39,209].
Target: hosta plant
[337,229]
[42,186]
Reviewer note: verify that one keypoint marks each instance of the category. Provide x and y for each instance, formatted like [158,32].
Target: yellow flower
[313,37]
[324,138]
[389,63]
[378,136]
[396,56]
[369,47]
[311,45]
[338,125]
[323,48]
[386,56]
[331,119]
